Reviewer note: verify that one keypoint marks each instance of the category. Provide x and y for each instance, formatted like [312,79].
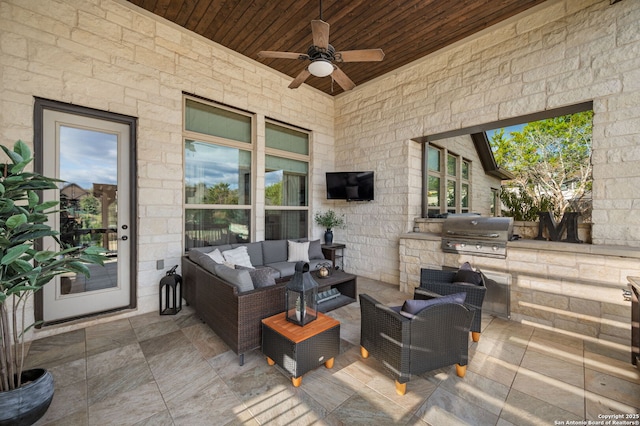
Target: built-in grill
[477,235]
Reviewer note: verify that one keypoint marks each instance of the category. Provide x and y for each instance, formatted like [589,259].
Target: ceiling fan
[323,57]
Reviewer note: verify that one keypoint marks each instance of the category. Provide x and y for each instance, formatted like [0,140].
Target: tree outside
[552,162]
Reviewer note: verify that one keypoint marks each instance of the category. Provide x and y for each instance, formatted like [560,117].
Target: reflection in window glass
[434,159]
[219,122]
[217,174]
[451,194]
[213,227]
[464,197]
[434,191]
[465,170]
[285,224]
[286,139]
[451,165]
[285,182]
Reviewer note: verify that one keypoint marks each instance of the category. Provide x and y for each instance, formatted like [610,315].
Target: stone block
[557,301]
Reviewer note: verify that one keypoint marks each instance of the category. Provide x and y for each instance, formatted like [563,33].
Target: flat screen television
[350,186]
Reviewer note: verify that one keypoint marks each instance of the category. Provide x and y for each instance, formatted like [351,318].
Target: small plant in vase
[329,220]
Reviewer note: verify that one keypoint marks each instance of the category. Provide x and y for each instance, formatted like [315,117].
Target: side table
[300,349]
[334,253]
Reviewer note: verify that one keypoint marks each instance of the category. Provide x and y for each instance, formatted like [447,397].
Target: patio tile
[56,350]
[444,407]
[118,381]
[478,390]
[69,403]
[524,410]
[128,407]
[173,370]
[368,407]
[554,392]
[104,337]
[556,368]
[613,388]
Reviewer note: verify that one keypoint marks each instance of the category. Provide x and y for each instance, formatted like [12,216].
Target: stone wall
[572,289]
[562,52]
[113,56]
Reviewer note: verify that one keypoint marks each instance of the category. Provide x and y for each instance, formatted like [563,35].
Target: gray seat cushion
[285,268]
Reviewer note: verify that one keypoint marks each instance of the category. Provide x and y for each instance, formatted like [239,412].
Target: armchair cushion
[414,307]
[467,276]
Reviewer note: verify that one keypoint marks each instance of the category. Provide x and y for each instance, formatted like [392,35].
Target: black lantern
[171,285]
[301,296]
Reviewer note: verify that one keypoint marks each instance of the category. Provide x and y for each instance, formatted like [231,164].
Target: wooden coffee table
[345,283]
[300,349]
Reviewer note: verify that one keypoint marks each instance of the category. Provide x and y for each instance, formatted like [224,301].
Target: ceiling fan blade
[281,55]
[341,78]
[299,79]
[320,31]
[365,55]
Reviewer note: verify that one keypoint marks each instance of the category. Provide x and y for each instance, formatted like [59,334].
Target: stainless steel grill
[477,235]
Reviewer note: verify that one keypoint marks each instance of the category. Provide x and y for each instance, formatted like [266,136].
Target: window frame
[189,135]
[289,155]
[447,176]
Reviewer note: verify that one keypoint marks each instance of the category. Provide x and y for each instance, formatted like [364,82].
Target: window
[218,181]
[286,182]
[448,182]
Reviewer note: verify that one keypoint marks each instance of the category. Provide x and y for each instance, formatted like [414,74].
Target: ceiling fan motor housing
[315,52]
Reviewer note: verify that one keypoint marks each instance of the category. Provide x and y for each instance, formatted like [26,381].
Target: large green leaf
[14,253]
[45,205]
[16,220]
[44,256]
[22,149]
[33,199]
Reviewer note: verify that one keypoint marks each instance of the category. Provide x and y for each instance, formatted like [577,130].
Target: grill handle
[471,234]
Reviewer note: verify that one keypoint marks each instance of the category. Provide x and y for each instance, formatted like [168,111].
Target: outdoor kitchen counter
[602,250]
[575,289]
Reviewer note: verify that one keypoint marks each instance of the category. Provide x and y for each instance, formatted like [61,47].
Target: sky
[507,130]
[88,157]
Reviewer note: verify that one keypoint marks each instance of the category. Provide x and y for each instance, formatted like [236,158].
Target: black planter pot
[25,405]
[328,237]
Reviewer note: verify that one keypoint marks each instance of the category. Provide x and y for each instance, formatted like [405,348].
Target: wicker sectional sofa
[233,314]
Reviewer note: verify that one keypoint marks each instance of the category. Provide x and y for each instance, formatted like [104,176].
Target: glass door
[90,156]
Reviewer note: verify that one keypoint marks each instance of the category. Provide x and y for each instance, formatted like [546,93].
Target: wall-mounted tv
[350,186]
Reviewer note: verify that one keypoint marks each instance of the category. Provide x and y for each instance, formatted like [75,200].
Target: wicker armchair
[436,337]
[442,283]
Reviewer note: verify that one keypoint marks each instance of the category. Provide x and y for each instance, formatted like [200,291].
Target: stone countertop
[603,250]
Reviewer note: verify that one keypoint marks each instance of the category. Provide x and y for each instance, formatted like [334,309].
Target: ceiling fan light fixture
[320,68]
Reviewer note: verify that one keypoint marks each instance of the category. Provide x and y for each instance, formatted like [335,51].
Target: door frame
[38,143]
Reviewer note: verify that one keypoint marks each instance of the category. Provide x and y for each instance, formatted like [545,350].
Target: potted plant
[329,220]
[24,270]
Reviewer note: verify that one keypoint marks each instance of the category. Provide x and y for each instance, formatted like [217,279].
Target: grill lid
[477,235]
[478,227]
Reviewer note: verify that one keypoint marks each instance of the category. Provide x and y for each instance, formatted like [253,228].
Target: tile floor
[173,370]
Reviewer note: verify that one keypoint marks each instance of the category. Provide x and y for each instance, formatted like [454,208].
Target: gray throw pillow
[414,307]
[466,276]
[261,277]
[315,250]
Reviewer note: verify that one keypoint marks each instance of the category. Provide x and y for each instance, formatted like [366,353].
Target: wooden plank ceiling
[405,30]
